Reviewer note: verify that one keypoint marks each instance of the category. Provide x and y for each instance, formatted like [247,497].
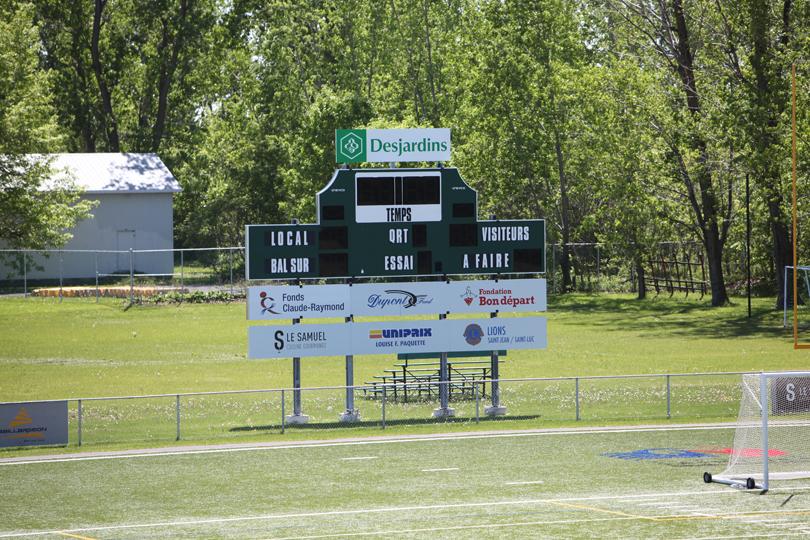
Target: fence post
[576,394]
[383,408]
[96,262]
[230,264]
[282,412]
[25,275]
[553,257]
[177,409]
[131,278]
[598,264]
[60,275]
[181,270]
[477,404]
[80,422]
[669,410]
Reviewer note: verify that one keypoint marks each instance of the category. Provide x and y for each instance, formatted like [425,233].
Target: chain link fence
[98,273]
[593,267]
[530,403]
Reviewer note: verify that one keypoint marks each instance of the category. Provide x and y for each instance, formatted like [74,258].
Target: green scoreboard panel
[396,222]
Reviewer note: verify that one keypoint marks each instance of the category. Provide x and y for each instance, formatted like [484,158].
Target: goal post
[802,292]
[772,438]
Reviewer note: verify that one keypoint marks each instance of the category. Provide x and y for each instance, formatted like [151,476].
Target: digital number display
[398,197]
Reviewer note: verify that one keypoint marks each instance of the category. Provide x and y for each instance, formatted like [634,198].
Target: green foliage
[573,111]
[194,297]
[27,119]
[37,205]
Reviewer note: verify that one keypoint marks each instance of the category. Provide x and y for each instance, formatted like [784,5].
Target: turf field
[628,483]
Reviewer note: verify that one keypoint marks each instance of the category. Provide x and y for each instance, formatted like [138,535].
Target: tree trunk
[638,265]
[714,254]
[564,215]
[167,71]
[707,209]
[769,104]
[782,250]
[108,116]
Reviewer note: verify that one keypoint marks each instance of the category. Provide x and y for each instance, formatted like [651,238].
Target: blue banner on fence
[33,424]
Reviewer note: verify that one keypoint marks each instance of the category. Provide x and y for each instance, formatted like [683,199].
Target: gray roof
[106,173]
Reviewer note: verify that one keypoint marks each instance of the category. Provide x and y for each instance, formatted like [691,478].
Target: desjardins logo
[351,145]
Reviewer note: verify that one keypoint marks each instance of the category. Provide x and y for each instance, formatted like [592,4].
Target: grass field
[81,349]
[538,485]
[458,479]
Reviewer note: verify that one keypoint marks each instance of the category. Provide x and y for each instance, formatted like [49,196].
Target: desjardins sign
[392,145]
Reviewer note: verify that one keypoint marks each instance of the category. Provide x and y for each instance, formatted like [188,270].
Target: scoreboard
[395,222]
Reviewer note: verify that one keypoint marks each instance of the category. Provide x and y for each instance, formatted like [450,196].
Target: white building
[134,194]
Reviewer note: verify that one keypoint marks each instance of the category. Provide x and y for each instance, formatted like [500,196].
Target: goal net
[772,439]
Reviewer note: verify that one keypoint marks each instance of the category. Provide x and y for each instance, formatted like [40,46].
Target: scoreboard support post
[350,414]
[444,410]
[496,409]
[297,417]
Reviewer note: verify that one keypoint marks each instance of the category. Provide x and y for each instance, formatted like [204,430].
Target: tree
[123,67]
[37,207]
[666,27]
[757,42]
[525,118]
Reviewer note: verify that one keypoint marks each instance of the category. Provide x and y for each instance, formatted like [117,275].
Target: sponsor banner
[392,145]
[33,424]
[790,395]
[449,335]
[425,298]
[299,340]
[290,301]
[396,299]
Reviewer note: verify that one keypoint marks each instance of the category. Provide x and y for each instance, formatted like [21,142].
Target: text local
[288,238]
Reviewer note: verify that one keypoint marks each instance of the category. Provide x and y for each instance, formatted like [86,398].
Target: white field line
[760,535]
[355,511]
[451,437]
[358,458]
[526,483]
[441,470]
[453,528]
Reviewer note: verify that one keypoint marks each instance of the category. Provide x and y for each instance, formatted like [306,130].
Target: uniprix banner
[414,336]
[396,299]
[33,424]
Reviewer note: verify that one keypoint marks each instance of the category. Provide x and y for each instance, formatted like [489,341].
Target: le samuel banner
[392,145]
[414,336]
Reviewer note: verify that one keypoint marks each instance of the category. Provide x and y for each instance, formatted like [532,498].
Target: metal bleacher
[413,379]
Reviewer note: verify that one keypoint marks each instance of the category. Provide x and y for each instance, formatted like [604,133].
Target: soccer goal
[772,440]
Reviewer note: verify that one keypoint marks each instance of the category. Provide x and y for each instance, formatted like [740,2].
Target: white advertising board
[290,301]
[396,299]
[449,335]
[392,145]
[425,298]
